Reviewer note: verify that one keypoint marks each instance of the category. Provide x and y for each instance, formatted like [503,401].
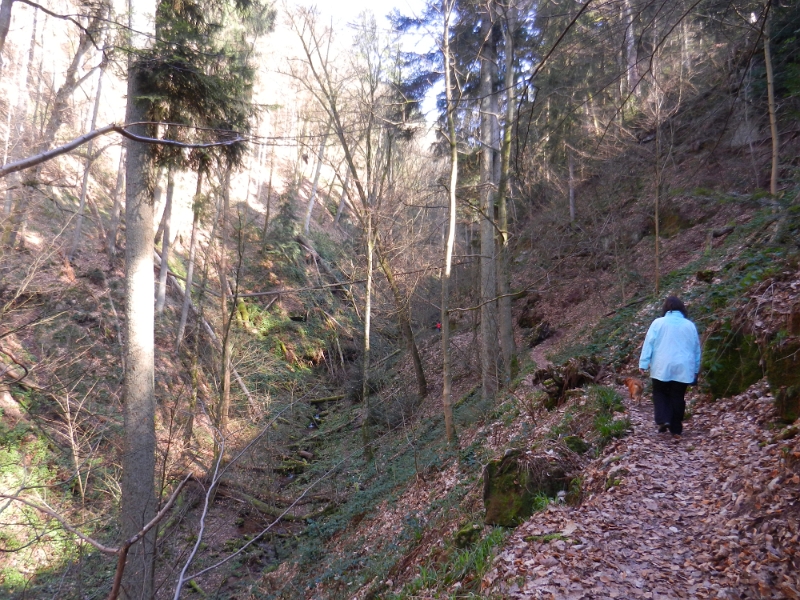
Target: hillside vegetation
[300,434]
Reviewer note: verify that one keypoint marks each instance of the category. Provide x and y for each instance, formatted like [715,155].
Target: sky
[347,10]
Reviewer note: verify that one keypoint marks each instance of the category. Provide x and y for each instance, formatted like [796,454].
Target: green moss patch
[782,359]
[513,484]
[731,361]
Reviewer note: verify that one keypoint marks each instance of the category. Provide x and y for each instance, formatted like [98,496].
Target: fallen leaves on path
[713,515]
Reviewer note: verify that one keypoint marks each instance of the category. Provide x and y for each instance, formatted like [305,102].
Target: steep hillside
[327,481]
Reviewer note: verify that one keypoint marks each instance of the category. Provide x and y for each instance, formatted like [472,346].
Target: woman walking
[672,353]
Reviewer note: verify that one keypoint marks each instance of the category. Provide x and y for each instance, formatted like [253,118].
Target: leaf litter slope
[714,515]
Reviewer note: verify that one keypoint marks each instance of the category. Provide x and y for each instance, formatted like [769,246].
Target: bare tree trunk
[365,428]
[117,208]
[773,121]
[76,237]
[320,157]
[488,285]
[571,167]
[269,200]
[658,184]
[447,375]
[57,117]
[225,391]
[631,51]
[138,458]
[343,198]
[158,192]
[187,296]
[17,209]
[161,293]
[504,259]
[302,157]
[5,23]
[404,318]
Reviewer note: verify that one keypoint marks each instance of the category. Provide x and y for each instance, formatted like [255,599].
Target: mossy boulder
[782,358]
[673,220]
[539,333]
[468,535]
[512,484]
[576,444]
[731,361]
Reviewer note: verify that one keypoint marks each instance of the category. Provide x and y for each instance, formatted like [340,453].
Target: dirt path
[714,515]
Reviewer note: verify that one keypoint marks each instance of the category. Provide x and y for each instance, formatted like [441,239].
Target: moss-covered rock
[783,374]
[512,484]
[576,444]
[731,361]
[468,535]
[538,334]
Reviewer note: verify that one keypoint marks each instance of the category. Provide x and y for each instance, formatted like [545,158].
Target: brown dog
[635,388]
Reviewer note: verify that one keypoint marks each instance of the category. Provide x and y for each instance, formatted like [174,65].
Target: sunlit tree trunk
[488,284]
[571,167]
[365,428]
[315,185]
[773,121]
[343,198]
[187,295]
[23,131]
[225,391]
[631,51]
[447,375]
[116,209]
[161,293]
[507,345]
[404,319]
[138,457]
[76,236]
[268,203]
[5,24]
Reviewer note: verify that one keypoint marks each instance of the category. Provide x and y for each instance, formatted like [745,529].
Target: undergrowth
[461,569]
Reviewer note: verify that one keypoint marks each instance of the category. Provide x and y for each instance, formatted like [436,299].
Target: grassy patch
[465,567]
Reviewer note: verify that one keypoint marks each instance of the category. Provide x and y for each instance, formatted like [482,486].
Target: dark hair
[674,303]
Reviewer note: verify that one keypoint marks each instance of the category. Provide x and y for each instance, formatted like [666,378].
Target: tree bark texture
[773,121]
[405,320]
[571,183]
[5,24]
[225,392]
[631,51]
[447,375]
[315,185]
[116,210]
[76,237]
[488,283]
[365,429]
[161,296]
[138,459]
[504,258]
[57,118]
[268,203]
[342,198]
[187,297]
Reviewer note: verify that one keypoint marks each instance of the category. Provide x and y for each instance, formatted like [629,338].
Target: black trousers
[670,406]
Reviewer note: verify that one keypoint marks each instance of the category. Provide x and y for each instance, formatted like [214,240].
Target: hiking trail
[663,518]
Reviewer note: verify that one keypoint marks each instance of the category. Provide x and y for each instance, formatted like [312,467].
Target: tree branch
[37,159]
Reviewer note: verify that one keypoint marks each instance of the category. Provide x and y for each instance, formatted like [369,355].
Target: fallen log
[326,399]
[275,511]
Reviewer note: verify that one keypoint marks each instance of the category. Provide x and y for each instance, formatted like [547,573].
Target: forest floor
[713,514]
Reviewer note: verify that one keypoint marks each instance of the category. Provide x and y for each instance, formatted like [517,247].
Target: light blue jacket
[671,349]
